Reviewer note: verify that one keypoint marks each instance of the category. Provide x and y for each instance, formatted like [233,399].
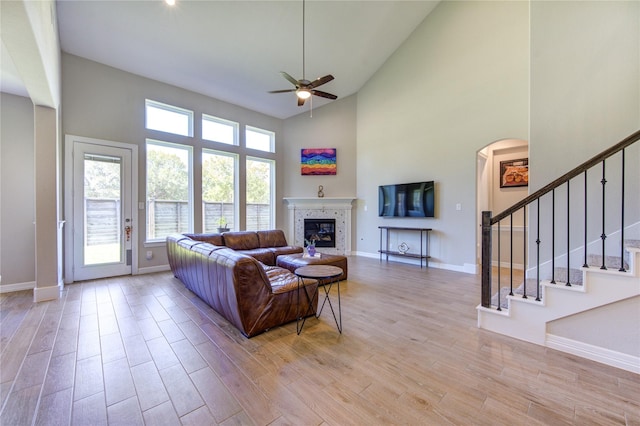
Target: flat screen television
[407,200]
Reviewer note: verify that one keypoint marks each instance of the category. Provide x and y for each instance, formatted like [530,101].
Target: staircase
[527,318]
[583,277]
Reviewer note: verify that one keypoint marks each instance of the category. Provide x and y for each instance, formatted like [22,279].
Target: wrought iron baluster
[524,250]
[585,264]
[603,236]
[553,236]
[499,268]
[511,254]
[538,252]
[568,284]
[622,268]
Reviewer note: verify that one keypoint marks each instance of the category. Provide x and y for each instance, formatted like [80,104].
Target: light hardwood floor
[143,350]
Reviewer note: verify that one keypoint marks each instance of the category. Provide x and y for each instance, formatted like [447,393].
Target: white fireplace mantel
[338,208]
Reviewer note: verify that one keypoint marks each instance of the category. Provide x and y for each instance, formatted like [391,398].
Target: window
[168,118]
[219,130]
[259,194]
[218,190]
[259,139]
[169,199]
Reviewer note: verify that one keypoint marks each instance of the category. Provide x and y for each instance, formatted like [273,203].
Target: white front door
[103,222]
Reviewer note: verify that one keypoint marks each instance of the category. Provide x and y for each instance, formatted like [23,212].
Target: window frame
[235,125]
[272,187]
[190,196]
[269,133]
[236,182]
[150,103]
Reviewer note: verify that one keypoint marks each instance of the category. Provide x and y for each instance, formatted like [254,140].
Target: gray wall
[17,196]
[106,103]
[332,126]
[459,83]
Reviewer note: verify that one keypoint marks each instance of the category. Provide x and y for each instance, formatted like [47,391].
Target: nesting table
[327,274]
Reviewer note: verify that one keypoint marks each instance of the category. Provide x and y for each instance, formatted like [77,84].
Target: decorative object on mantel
[403,248]
[318,161]
[320,191]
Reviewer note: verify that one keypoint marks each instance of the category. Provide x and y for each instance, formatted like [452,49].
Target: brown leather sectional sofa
[235,274]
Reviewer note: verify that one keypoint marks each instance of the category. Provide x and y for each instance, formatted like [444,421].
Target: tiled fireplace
[320,214]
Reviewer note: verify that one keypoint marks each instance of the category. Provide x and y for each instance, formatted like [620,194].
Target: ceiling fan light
[303,93]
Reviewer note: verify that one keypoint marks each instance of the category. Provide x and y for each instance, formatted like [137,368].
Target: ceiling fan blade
[301,101]
[321,81]
[288,77]
[282,91]
[324,94]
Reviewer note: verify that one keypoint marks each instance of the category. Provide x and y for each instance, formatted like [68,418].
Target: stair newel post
[538,251]
[585,264]
[603,236]
[622,268]
[553,236]
[499,268]
[524,250]
[486,260]
[511,255]
[568,284]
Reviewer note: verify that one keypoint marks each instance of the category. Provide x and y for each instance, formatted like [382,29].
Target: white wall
[614,326]
[457,84]
[17,194]
[585,84]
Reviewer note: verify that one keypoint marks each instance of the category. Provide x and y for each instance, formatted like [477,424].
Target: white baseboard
[42,294]
[468,268]
[594,353]
[153,269]
[10,288]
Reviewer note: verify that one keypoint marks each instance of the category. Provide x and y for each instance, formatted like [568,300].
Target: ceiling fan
[305,88]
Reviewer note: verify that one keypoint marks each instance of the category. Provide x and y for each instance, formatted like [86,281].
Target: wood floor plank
[149,386]
[125,413]
[222,404]
[183,393]
[162,414]
[91,410]
[55,408]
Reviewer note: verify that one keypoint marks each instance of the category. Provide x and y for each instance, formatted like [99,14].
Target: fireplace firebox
[323,231]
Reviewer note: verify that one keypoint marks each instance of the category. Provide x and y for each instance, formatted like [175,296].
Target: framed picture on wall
[318,161]
[514,173]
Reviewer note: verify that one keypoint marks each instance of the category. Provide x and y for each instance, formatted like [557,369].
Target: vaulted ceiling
[234,50]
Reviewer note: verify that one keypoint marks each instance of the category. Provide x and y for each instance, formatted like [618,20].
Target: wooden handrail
[634,137]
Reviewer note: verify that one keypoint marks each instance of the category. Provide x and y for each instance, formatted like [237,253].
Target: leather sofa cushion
[243,240]
[215,239]
[272,238]
[265,256]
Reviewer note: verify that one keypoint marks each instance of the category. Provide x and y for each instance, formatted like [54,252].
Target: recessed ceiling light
[170,2]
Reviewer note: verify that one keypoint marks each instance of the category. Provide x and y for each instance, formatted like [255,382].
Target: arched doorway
[490,194]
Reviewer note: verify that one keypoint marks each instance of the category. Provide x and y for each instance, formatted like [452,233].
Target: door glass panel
[102,209]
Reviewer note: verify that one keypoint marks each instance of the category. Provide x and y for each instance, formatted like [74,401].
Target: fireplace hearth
[322,231]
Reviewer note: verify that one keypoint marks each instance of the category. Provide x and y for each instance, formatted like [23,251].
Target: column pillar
[46,204]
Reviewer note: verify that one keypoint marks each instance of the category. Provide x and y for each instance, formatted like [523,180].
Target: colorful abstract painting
[318,161]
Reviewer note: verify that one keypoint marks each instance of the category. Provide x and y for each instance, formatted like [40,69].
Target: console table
[424,243]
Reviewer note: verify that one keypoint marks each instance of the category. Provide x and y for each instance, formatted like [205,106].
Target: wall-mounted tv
[407,200]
